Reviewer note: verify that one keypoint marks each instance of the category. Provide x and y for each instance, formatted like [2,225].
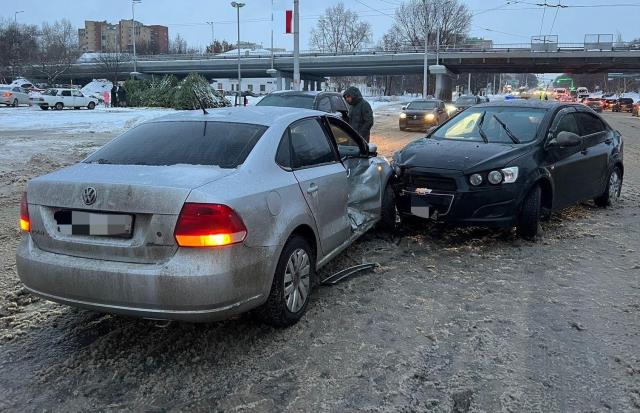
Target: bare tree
[111,64]
[18,46]
[58,49]
[340,30]
[416,19]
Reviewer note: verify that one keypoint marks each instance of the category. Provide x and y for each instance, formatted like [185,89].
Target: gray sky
[513,23]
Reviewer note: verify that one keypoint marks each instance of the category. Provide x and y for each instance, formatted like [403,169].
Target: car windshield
[223,144]
[289,101]
[499,124]
[465,100]
[422,105]
[50,92]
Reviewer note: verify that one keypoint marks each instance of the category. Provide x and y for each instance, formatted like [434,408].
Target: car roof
[256,115]
[526,103]
[303,93]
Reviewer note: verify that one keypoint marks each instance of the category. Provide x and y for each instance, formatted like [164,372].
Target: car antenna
[199,102]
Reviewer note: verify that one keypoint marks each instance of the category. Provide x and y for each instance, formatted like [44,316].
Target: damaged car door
[365,181]
[322,178]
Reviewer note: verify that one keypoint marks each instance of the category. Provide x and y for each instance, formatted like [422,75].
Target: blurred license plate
[90,223]
[419,207]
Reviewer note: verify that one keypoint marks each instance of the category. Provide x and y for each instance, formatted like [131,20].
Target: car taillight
[7,94]
[208,225]
[25,224]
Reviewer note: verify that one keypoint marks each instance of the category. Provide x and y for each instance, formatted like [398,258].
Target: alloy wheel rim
[614,187]
[296,280]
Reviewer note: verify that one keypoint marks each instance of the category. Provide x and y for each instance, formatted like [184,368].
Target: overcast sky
[514,23]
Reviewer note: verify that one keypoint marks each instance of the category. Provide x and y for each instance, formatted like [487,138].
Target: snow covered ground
[98,120]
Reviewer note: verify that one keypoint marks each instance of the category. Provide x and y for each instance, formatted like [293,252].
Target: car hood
[457,155]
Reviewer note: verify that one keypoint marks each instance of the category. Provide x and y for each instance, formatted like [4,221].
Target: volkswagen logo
[423,191]
[89,195]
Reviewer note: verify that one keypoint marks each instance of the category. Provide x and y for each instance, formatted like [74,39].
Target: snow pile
[96,88]
[78,121]
[633,95]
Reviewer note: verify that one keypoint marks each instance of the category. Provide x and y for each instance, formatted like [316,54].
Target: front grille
[432,182]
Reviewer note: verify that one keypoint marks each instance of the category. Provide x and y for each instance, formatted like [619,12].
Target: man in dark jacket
[114,96]
[360,113]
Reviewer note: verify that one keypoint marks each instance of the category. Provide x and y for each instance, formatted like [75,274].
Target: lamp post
[237,6]
[296,45]
[213,37]
[425,71]
[15,16]
[133,31]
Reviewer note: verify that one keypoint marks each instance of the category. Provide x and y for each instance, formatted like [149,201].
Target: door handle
[313,188]
[584,151]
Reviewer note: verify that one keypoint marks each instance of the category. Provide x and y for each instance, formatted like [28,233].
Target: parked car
[466,101]
[509,163]
[623,105]
[13,96]
[58,99]
[422,114]
[239,212]
[595,104]
[607,103]
[330,102]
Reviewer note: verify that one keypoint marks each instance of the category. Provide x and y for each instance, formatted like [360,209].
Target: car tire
[44,107]
[402,128]
[91,106]
[282,310]
[612,191]
[59,106]
[529,216]
[15,103]
[388,210]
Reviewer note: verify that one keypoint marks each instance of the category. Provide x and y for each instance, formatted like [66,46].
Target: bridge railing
[461,48]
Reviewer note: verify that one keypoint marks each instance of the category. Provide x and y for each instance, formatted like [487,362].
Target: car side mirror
[373,149]
[565,139]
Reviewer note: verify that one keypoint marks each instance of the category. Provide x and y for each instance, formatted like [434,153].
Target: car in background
[506,164]
[623,105]
[466,101]
[238,213]
[635,110]
[422,114]
[594,103]
[60,98]
[608,102]
[13,96]
[329,102]
[582,92]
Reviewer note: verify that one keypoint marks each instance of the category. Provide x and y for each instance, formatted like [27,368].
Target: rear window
[223,144]
[4,88]
[289,101]
[625,101]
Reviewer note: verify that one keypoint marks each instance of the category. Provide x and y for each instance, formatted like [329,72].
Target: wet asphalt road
[452,320]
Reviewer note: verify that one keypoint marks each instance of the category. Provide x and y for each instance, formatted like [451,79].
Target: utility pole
[469,84]
[296,45]
[213,37]
[133,31]
[425,71]
[237,6]
[272,53]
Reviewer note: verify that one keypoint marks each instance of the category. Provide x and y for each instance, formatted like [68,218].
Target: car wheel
[291,285]
[611,193]
[59,106]
[388,210]
[91,106]
[529,217]
[15,103]
[44,107]
[403,128]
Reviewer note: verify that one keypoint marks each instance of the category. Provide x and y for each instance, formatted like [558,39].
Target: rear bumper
[196,285]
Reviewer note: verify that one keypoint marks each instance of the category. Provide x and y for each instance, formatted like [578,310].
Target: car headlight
[429,116]
[403,115]
[475,179]
[494,177]
[510,174]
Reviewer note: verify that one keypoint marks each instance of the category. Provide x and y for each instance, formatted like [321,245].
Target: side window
[590,124]
[309,144]
[338,104]
[77,93]
[66,93]
[283,155]
[324,104]
[347,144]
[568,124]
[17,89]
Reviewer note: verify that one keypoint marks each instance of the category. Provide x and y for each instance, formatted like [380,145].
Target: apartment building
[105,37]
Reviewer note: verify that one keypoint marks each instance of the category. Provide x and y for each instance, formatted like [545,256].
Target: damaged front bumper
[445,196]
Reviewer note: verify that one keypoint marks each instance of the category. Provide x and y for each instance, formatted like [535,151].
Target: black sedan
[422,114]
[466,101]
[508,163]
[623,105]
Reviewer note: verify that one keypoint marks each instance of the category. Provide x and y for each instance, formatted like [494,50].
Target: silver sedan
[201,216]
[14,96]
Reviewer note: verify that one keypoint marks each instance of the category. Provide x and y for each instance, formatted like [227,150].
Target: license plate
[419,207]
[91,223]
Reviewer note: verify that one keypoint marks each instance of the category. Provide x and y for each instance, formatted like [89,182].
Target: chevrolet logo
[423,191]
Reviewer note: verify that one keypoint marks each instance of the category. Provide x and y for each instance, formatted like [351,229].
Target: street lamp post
[296,45]
[425,71]
[213,37]
[15,16]
[133,31]
[237,6]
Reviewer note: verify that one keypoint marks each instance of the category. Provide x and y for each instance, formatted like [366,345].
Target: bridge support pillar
[444,82]
[287,83]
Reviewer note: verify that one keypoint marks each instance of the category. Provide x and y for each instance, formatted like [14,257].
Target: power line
[553,23]
[544,11]
[373,8]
